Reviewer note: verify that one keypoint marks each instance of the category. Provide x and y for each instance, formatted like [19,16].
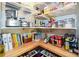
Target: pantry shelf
[64,8]
[31,45]
[20,50]
[56,50]
[36,28]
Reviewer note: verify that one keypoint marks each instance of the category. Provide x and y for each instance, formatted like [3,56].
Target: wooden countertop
[31,45]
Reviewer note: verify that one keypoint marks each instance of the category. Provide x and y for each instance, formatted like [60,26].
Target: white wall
[73,10]
[28,17]
[2,15]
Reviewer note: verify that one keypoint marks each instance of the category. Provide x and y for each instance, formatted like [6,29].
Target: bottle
[66,43]
[59,41]
[71,42]
[47,38]
[52,38]
[55,41]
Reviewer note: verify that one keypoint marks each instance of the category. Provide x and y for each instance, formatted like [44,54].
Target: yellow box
[2,50]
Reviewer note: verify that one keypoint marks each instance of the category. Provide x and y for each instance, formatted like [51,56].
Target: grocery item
[26,37]
[13,22]
[2,52]
[52,39]
[59,41]
[47,38]
[15,40]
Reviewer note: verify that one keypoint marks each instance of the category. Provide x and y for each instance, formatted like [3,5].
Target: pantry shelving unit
[31,45]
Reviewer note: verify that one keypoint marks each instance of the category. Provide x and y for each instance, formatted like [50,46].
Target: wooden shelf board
[31,45]
[18,51]
[57,50]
